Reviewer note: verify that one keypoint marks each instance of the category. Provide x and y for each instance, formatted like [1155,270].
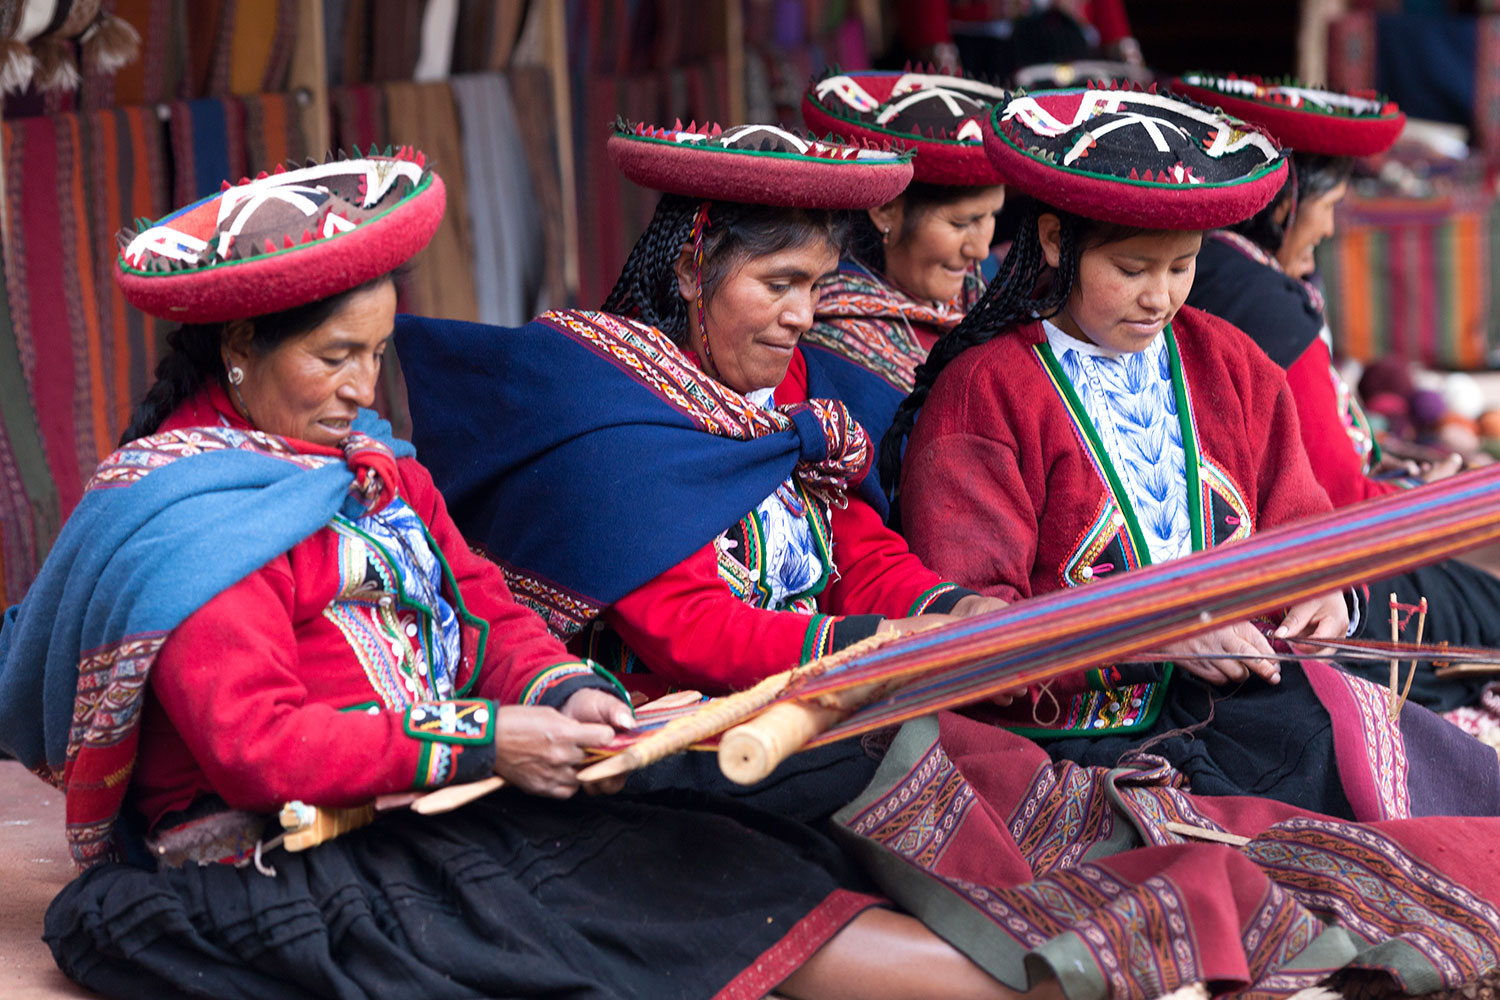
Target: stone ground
[35,861]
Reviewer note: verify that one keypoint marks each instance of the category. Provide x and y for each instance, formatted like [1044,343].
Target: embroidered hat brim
[935,115]
[1305,119]
[1133,157]
[759,165]
[282,240]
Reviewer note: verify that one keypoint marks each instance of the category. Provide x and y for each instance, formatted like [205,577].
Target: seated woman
[668,508]
[1254,273]
[261,598]
[1083,422]
[912,270]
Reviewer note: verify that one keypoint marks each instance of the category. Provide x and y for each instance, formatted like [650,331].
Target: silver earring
[885,235]
[236,374]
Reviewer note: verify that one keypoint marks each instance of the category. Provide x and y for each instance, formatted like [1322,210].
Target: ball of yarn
[1464,395]
[1489,424]
[1427,407]
[1386,375]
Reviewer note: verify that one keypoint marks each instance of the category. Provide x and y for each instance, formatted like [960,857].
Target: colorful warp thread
[1039,639]
[1415,279]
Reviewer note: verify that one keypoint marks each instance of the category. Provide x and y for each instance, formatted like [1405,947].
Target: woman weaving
[913,266]
[262,598]
[1082,422]
[1256,273]
[1205,834]
[703,524]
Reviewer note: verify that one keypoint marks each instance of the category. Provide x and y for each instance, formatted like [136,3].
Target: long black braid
[1016,295]
[647,288]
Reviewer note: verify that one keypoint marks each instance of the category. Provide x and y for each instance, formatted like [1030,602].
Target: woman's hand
[1323,617]
[539,749]
[1241,639]
[596,705]
[916,623]
[976,604]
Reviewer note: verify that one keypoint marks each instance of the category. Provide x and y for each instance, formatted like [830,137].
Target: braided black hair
[1314,175]
[1020,292]
[195,355]
[647,287]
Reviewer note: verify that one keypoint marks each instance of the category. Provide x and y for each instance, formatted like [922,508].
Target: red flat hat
[283,239]
[1135,157]
[759,165]
[1305,119]
[936,115]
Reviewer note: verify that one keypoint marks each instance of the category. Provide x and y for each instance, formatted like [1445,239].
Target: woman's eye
[333,362]
[1131,274]
[779,287]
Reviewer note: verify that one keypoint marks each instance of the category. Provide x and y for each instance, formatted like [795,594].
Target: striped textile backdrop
[1416,279]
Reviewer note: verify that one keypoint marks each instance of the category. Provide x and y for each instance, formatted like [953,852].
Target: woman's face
[1313,225]
[311,387]
[758,313]
[927,256]
[1128,290]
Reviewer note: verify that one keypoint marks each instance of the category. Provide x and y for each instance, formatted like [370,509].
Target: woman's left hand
[976,604]
[1323,617]
[595,705]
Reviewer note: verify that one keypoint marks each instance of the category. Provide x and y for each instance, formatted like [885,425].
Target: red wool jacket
[268,692]
[1336,463]
[690,629]
[1000,493]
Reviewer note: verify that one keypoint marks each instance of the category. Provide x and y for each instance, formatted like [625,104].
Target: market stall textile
[126,180]
[503,210]
[1415,279]
[441,282]
[54,310]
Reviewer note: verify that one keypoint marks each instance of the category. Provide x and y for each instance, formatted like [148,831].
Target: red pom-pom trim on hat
[759,165]
[869,105]
[1306,119]
[1134,157]
[282,240]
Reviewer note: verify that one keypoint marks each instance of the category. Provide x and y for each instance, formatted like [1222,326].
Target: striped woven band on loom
[1082,628]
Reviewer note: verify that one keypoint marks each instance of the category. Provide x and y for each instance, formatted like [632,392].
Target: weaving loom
[864,688]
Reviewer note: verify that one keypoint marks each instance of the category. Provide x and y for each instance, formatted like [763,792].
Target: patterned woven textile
[126,180]
[54,310]
[208,146]
[1415,279]
[1018,860]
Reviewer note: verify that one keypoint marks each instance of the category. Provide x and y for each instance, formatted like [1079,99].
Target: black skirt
[513,896]
[1274,741]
